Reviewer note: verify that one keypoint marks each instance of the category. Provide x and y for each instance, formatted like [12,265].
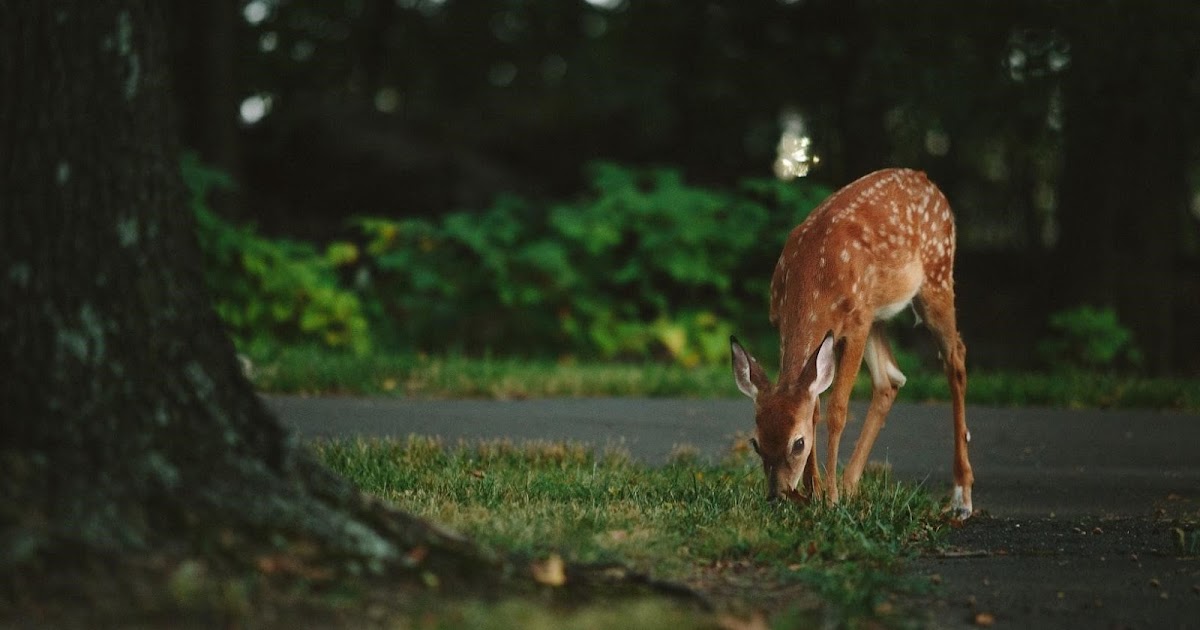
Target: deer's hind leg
[936,304]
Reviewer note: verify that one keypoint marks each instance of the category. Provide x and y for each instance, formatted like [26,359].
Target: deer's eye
[798,446]
[754,443]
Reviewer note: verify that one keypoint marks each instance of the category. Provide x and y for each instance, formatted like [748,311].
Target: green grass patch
[317,371]
[705,525]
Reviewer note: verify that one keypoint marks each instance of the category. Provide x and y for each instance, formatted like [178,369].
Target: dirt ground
[1080,572]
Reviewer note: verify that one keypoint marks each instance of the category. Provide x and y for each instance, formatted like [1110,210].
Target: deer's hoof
[960,504]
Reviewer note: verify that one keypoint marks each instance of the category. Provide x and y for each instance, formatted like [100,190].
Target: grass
[317,371]
[700,524]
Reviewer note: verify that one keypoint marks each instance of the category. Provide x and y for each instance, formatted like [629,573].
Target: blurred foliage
[1025,113]
[642,266]
[1089,338]
[271,292]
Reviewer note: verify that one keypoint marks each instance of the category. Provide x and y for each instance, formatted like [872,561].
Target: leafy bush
[272,292]
[1088,338]
[642,266]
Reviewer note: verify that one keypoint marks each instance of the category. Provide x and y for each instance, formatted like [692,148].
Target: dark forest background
[1064,133]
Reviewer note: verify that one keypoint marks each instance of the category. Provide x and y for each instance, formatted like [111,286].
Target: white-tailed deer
[870,249]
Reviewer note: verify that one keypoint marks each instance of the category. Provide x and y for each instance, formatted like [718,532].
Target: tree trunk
[1124,182]
[127,423]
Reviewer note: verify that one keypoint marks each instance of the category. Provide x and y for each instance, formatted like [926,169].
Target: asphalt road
[1077,511]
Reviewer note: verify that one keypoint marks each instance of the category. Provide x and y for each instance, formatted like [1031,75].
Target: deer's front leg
[886,379]
[839,404]
[812,474]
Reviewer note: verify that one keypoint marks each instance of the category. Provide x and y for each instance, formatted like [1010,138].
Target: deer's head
[784,432]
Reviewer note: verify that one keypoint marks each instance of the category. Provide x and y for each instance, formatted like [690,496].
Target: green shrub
[1088,338]
[642,266]
[272,292]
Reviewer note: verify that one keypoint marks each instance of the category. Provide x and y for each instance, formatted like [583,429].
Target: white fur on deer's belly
[889,311]
[897,289]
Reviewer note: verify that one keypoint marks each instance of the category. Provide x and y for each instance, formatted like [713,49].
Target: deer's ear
[820,365]
[747,373]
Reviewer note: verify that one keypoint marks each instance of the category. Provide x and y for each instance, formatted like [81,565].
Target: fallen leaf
[617,535]
[984,619]
[478,474]
[287,564]
[1155,583]
[755,622]
[551,571]
[430,579]
[415,555]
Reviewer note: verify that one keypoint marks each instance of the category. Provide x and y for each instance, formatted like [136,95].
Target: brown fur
[867,251]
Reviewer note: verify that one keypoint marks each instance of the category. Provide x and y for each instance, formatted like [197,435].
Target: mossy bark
[127,423]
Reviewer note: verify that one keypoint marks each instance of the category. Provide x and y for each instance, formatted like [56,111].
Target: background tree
[1130,113]
[419,108]
[204,38]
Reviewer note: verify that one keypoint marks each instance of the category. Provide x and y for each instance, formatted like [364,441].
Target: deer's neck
[794,353]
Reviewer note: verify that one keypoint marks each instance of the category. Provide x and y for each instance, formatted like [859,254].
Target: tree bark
[127,423]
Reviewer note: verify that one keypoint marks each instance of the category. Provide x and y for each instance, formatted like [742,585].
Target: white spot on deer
[854,288]
[845,255]
[812,317]
[822,261]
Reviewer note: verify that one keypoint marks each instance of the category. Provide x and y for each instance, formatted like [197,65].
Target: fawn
[884,242]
